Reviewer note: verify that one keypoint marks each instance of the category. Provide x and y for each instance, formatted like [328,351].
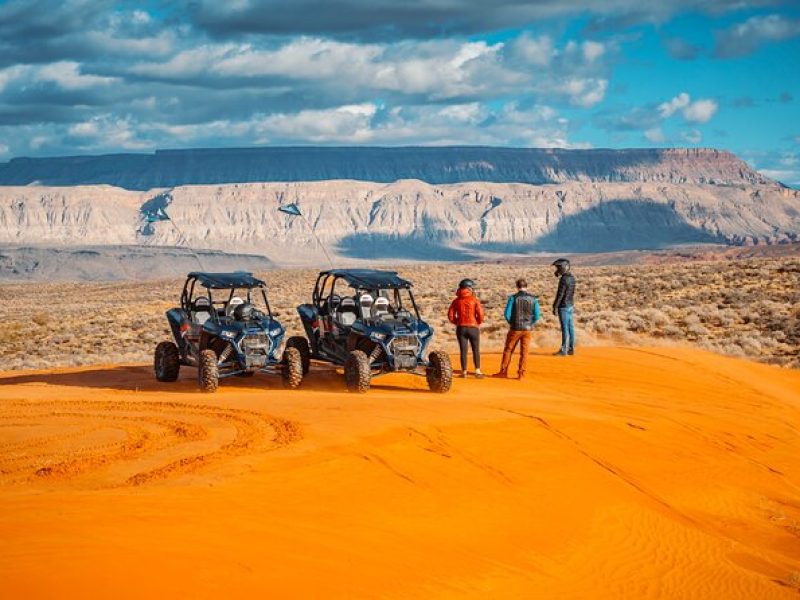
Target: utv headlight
[229,334]
[378,337]
[275,331]
[424,333]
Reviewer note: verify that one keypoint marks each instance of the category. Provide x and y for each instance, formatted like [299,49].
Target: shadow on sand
[140,378]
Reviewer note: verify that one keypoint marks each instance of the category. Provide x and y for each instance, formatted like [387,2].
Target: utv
[368,322]
[233,335]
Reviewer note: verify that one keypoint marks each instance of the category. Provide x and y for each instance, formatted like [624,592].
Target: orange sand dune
[621,473]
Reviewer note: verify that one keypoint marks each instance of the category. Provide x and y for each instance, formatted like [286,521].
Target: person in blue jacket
[522,312]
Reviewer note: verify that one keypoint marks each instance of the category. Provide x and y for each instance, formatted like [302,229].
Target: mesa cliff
[403,220]
[435,165]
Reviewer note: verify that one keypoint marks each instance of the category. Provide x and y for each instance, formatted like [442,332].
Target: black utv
[224,327]
[367,321]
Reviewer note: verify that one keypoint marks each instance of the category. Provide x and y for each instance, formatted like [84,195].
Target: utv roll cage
[361,280]
[222,281]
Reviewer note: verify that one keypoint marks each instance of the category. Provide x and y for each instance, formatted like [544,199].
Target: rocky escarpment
[403,220]
[435,165]
[105,263]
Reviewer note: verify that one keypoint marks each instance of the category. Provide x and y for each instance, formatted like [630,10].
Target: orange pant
[523,338]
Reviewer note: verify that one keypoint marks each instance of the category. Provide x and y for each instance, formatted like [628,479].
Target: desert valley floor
[619,473]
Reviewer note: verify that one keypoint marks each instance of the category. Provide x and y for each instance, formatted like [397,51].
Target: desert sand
[619,473]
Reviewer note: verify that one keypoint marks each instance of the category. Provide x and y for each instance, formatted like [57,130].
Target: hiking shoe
[521,375]
[571,352]
[463,374]
[559,353]
[478,375]
[500,375]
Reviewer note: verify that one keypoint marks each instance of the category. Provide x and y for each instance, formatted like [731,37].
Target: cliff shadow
[431,243]
[406,247]
[611,227]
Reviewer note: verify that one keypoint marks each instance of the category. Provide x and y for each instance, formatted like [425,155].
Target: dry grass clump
[747,307]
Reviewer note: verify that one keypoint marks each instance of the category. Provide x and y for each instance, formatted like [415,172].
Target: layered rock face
[409,219]
[435,165]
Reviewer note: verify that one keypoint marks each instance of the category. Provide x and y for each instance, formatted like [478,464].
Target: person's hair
[521,283]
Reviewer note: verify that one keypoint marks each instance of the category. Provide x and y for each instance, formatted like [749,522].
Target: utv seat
[366,301]
[231,306]
[346,314]
[201,310]
[381,307]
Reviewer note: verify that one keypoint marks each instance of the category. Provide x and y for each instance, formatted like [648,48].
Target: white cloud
[4,149]
[535,51]
[593,50]
[787,176]
[586,92]
[141,17]
[107,43]
[10,74]
[68,76]
[693,136]
[789,159]
[349,124]
[445,69]
[667,109]
[655,135]
[108,131]
[37,141]
[746,37]
[700,111]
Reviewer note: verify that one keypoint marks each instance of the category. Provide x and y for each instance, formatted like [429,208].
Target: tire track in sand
[119,443]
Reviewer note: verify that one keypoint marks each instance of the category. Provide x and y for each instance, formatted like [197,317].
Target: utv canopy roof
[237,279]
[369,278]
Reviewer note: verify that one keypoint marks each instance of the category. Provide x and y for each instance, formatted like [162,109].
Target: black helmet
[466,283]
[562,266]
[245,312]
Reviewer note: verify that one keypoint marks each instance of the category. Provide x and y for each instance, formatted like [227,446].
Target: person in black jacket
[563,306]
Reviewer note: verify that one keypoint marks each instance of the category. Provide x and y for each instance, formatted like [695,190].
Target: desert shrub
[697,330]
[41,319]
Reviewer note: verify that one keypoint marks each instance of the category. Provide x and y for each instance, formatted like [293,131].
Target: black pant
[473,336]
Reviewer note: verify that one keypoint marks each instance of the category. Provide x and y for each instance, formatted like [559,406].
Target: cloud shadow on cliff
[613,226]
[406,247]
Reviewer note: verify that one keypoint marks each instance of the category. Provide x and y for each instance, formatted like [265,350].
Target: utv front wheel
[167,361]
[292,368]
[301,344]
[357,373]
[440,372]
[208,371]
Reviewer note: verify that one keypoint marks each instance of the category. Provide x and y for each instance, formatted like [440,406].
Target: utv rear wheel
[440,372]
[167,361]
[292,368]
[208,371]
[301,344]
[357,373]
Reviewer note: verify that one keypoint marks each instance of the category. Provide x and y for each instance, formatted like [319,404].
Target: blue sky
[97,76]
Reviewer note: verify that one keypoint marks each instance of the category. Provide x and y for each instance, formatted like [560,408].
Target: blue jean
[565,317]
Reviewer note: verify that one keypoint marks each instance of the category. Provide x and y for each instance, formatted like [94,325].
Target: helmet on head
[466,283]
[245,312]
[562,266]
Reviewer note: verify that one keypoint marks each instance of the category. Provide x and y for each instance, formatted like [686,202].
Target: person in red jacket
[466,313]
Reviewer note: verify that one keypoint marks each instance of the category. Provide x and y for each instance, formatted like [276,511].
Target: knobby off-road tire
[357,373]
[167,361]
[292,368]
[301,343]
[208,371]
[440,373]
